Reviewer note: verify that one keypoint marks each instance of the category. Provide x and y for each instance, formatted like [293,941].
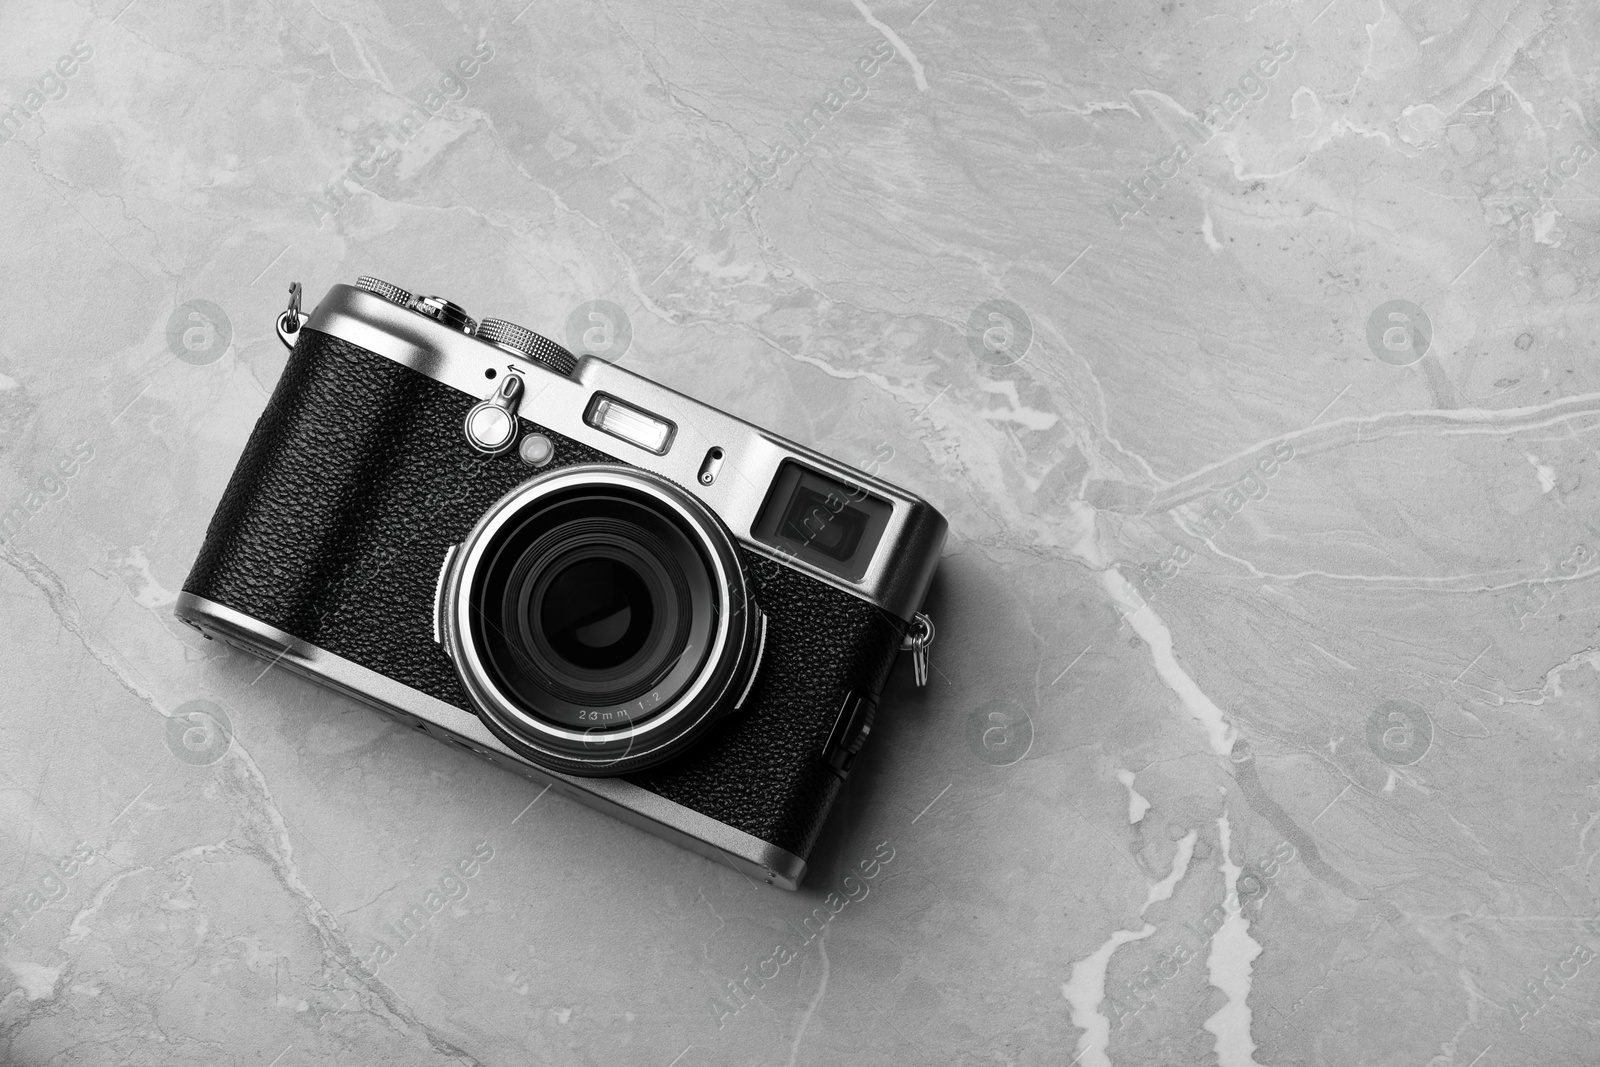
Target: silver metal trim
[453,315]
[438,596]
[638,807]
[896,580]
[761,653]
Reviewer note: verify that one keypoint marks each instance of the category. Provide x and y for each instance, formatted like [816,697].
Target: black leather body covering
[356,480]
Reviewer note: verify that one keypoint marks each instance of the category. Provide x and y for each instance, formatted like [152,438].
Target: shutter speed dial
[521,341]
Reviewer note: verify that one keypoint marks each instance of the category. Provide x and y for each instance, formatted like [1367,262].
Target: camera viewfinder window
[822,520]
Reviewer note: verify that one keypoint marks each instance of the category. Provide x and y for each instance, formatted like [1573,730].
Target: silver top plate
[902,566]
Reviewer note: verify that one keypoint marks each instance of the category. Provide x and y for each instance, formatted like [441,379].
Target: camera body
[572,571]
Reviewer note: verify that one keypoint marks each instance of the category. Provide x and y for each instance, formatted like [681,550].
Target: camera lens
[591,603]
[601,619]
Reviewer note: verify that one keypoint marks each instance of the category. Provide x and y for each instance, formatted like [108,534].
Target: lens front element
[597,612]
[594,607]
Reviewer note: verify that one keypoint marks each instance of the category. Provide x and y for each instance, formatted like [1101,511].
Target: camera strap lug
[916,641]
[292,319]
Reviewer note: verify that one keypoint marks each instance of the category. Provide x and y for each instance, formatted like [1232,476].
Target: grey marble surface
[1249,349]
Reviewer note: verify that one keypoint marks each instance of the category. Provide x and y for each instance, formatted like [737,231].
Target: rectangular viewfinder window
[824,521]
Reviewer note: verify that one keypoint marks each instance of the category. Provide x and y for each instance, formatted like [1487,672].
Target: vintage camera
[576,573]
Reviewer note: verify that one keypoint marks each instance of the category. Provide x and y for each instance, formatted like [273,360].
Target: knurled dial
[378,287]
[524,342]
[435,307]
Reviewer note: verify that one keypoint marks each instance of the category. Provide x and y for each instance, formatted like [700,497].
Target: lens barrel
[600,619]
